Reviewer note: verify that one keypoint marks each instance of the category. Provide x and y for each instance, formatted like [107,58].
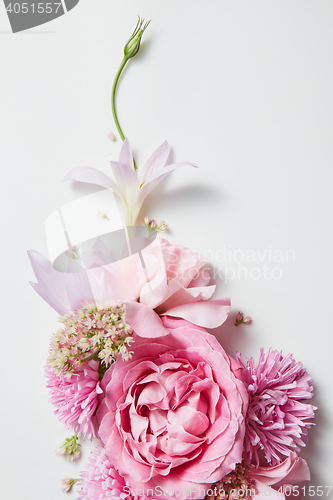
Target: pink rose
[173,416]
[173,282]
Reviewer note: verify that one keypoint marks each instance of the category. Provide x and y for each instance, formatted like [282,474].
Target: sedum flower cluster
[70,449]
[237,485]
[96,331]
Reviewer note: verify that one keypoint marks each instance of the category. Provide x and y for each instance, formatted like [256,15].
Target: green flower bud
[133,45]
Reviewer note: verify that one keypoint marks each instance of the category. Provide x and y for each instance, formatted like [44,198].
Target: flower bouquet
[133,366]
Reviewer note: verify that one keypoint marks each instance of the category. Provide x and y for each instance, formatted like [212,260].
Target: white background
[242,88]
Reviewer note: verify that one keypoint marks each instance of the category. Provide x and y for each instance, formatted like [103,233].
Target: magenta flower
[101,481]
[131,187]
[75,398]
[278,417]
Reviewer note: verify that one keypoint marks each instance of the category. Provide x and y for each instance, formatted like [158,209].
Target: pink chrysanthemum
[102,481]
[277,419]
[75,397]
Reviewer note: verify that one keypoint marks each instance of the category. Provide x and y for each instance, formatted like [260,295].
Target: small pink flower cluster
[247,320]
[96,331]
[154,226]
[67,483]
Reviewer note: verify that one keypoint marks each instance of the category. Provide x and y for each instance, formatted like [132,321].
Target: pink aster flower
[278,417]
[75,398]
[131,187]
[101,481]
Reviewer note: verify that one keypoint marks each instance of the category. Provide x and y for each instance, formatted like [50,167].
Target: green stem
[113,94]
[91,356]
[113,101]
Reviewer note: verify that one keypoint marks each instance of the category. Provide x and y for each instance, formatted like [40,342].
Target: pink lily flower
[131,186]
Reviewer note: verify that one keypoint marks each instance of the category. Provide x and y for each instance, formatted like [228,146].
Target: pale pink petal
[78,289]
[144,321]
[265,492]
[90,175]
[292,470]
[210,314]
[63,291]
[202,278]
[158,177]
[155,162]
[51,284]
[126,180]
[177,295]
[126,155]
[50,299]
[168,169]
[125,277]
[98,256]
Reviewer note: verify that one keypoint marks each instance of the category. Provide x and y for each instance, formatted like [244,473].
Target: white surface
[242,88]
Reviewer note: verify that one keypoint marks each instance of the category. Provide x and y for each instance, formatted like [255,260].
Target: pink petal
[63,291]
[168,169]
[144,321]
[128,187]
[176,296]
[158,177]
[51,284]
[265,492]
[155,162]
[78,289]
[126,155]
[51,300]
[91,176]
[210,314]
[292,470]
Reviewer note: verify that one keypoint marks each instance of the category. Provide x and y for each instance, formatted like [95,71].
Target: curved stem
[113,94]
[113,102]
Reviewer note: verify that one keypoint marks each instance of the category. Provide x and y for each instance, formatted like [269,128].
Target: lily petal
[155,162]
[92,176]
[125,154]
[62,291]
[126,180]
[51,284]
[158,177]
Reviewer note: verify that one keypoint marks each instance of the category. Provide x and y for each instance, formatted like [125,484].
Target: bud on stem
[130,50]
